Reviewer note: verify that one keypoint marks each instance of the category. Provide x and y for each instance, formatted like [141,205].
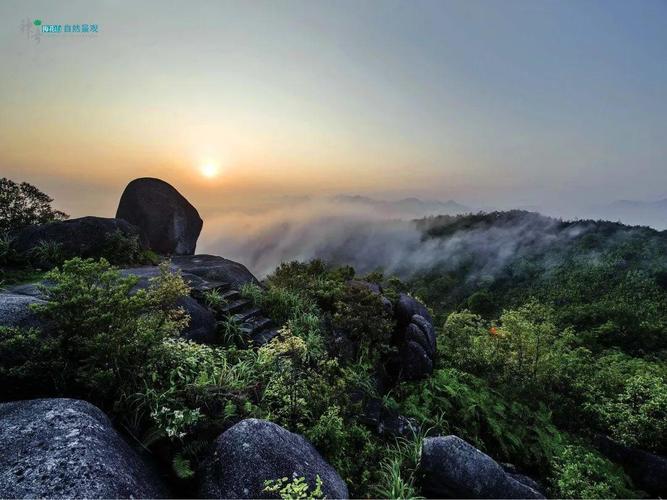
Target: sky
[491,103]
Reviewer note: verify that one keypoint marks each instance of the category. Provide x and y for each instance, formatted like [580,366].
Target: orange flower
[493,331]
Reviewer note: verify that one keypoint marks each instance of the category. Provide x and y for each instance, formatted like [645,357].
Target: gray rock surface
[253,451]
[15,311]
[66,448]
[216,269]
[169,222]
[452,468]
[83,237]
[416,339]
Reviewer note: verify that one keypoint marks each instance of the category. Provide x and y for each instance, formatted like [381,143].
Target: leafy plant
[294,489]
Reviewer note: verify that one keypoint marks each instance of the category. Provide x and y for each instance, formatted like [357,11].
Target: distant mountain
[406,207]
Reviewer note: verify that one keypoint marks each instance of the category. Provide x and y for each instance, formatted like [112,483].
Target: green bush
[580,472]
[102,331]
[29,364]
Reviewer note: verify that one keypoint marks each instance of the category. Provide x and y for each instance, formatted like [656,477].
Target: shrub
[121,248]
[102,330]
[29,363]
[638,415]
[580,472]
[23,204]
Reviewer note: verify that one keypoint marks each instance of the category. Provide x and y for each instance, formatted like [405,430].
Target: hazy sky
[487,102]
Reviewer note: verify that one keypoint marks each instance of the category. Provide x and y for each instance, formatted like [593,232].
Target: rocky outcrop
[66,448]
[452,468]
[647,470]
[415,339]
[169,222]
[82,237]
[253,451]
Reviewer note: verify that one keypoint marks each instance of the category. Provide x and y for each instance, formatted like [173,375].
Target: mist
[370,235]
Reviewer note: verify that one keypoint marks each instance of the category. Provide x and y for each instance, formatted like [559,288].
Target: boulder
[452,468]
[215,269]
[253,451]
[67,448]
[202,327]
[416,349]
[82,237]
[15,311]
[406,307]
[168,221]
[647,470]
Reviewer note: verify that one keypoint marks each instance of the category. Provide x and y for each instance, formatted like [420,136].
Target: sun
[209,170]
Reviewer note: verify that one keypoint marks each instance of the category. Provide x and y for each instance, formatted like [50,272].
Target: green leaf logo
[37,22]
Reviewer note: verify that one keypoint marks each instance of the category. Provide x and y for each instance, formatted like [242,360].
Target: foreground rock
[66,448]
[254,451]
[169,222]
[647,470]
[82,237]
[452,468]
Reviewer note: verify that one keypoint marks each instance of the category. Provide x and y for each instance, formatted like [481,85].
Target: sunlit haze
[559,106]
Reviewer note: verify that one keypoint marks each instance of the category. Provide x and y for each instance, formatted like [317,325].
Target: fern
[182,467]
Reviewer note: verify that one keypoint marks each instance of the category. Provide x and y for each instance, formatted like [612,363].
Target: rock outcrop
[169,222]
[647,470]
[82,237]
[67,448]
[415,339]
[253,451]
[452,468]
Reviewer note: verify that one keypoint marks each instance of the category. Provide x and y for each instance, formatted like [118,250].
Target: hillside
[524,358]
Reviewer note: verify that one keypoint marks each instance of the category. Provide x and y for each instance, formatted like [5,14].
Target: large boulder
[82,237]
[647,470]
[452,468]
[66,448]
[169,222]
[253,451]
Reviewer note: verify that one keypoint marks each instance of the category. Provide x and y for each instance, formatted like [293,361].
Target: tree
[23,204]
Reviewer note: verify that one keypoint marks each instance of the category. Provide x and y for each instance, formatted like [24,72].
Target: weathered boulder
[82,237]
[169,222]
[452,468]
[215,269]
[254,451]
[406,307]
[415,339]
[67,448]
[647,470]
